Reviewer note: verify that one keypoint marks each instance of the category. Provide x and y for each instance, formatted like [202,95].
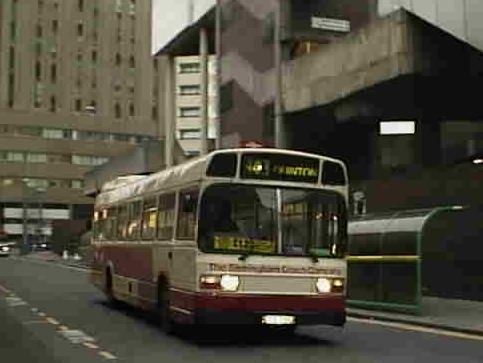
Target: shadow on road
[226,336]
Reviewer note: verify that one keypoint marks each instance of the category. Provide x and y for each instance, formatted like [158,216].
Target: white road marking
[52,321]
[15,301]
[107,355]
[90,345]
[418,328]
[76,336]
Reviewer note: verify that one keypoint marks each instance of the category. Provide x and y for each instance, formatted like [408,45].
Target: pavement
[453,315]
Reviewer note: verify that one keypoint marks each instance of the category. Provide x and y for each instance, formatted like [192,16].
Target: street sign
[337,25]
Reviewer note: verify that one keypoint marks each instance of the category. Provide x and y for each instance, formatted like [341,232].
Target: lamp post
[29,195]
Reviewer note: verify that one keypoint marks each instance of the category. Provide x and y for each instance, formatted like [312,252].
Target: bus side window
[134,225]
[166,216]
[188,204]
[122,222]
[111,223]
[148,228]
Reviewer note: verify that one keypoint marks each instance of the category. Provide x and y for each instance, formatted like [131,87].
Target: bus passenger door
[183,262]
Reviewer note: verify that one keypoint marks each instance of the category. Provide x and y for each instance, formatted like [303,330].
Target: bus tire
[108,287]
[163,311]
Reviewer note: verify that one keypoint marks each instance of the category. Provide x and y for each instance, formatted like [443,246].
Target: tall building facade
[188,103]
[76,88]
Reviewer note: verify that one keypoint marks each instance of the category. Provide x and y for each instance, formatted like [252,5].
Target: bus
[238,236]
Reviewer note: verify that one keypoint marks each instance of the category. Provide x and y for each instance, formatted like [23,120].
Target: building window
[14,157]
[189,112]
[117,110]
[132,62]
[118,59]
[38,71]
[53,104]
[55,26]
[268,26]
[190,134]
[189,89]
[80,5]
[154,113]
[36,158]
[77,184]
[78,104]
[11,58]
[131,109]
[13,28]
[11,89]
[53,73]
[192,67]
[88,160]
[94,56]
[80,30]
[38,31]
[55,134]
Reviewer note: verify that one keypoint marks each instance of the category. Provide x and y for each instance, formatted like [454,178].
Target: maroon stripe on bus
[133,261]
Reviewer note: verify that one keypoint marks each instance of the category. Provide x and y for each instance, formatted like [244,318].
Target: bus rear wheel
[163,311]
[109,289]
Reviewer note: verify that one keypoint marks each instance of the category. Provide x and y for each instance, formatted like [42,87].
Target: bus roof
[187,173]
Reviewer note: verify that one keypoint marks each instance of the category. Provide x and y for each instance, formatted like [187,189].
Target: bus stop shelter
[396,258]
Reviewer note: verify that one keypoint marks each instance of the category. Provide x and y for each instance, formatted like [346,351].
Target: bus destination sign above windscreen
[267,166]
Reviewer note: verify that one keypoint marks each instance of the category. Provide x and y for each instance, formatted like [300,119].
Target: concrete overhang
[388,50]
[187,42]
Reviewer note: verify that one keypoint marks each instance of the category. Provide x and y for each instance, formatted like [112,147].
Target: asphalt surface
[50,313]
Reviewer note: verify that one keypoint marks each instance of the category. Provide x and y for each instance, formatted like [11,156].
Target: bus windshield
[249,219]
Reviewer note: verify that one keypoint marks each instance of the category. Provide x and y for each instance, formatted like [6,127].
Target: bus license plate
[278,319]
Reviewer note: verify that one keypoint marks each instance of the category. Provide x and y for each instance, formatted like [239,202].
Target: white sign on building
[336,25]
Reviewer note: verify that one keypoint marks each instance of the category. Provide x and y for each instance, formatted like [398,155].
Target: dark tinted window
[223,165]
[332,174]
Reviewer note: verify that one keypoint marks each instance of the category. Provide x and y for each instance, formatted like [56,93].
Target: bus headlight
[5,248]
[229,282]
[323,285]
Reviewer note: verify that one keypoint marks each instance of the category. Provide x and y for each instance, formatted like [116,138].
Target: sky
[171,17]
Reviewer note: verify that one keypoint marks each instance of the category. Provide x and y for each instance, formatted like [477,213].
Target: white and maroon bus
[239,236]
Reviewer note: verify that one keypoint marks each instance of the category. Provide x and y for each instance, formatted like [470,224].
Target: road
[50,313]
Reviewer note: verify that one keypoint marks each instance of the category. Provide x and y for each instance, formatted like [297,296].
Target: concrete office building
[327,76]
[188,103]
[76,88]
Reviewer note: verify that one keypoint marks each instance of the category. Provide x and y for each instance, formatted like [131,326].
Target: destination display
[267,166]
[240,244]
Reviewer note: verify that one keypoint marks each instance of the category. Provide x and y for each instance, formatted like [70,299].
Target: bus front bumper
[253,309]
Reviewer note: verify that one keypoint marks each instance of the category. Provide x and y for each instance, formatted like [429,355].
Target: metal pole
[204,90]
[24,247]
[169,110]
[218,73]
[278,105]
